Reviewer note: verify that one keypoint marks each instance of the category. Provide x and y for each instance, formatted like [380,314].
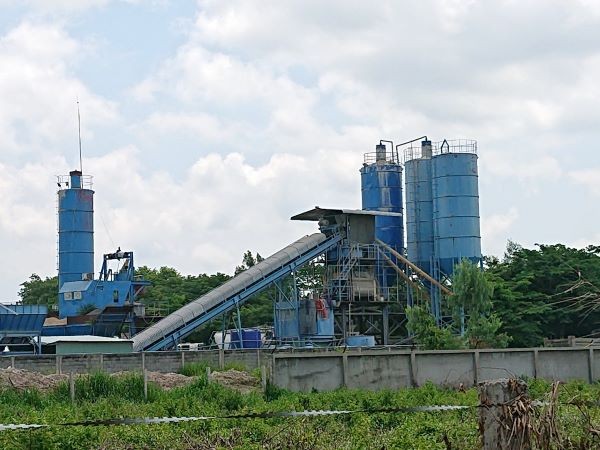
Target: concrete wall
[325,370]
[137,362]
[379,369]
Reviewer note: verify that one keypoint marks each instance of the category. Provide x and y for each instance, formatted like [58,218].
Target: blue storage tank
[456,204]
[75,228]
[250,338]
[381,187]
[419,205]
[286,320]
[360,341]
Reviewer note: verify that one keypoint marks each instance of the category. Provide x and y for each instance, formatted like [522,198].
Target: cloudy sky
[207,124]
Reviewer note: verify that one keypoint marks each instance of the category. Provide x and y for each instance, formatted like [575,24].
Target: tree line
[550,291]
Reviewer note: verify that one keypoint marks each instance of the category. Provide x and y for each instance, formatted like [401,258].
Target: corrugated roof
[318,213]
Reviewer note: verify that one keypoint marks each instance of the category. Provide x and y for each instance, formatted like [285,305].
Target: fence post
[413,369]
[145,384]
[345,370]
[476,366]
[207,373]
[591,365]
[498,418]
[263,378]
[221,359]
[72,386]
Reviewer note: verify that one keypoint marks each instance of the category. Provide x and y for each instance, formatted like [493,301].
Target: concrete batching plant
[360,275]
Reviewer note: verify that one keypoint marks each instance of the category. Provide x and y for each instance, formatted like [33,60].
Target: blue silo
[75,228]
[419,205]
[456,204]
[381,187]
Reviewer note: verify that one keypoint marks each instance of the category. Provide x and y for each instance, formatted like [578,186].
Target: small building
[68,345]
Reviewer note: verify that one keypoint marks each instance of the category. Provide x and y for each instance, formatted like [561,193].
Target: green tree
[551,291]
[427,334]
[38,291]
[472,299]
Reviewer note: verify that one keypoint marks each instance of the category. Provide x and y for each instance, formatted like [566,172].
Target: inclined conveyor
[168,332]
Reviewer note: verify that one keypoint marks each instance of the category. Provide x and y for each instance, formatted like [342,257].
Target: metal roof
[22,320]
[82,338]
[318,213]
[72,286]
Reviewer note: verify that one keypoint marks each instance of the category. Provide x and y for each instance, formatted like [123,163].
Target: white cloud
[522,167]
[39,92]
[221,200]
[271,105]
[589,178]
[496,229]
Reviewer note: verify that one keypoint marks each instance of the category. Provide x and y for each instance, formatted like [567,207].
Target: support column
[385,326]
[344,322]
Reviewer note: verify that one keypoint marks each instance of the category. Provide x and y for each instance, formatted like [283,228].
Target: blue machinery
[21,325]
[367,273]
[169,331]
[362,252]
[115,290]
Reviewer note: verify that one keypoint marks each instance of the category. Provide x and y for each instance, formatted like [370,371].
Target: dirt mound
[23,379]
[234,379]
[164,380]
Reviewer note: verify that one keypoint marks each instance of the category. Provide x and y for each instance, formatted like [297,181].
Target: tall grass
[102,396]
[100,385]
[199,368]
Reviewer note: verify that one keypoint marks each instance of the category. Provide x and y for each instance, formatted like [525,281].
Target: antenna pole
[79,132]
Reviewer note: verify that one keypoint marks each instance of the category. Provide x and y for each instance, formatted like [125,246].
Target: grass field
[100,396]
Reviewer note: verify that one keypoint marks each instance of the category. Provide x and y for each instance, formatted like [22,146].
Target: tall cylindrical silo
[75,228]
[381,187]
[456,204]
[419,206]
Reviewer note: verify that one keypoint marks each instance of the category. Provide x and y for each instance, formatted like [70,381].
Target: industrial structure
[113,294]
[367,276]
[360,273]
[442,209]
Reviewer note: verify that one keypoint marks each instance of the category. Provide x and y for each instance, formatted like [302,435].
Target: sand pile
[234,379]
[164,380]
[23,379]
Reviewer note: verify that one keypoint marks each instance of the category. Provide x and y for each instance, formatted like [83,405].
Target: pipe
[408,142]
[402,274]
[391,142]
[414,267]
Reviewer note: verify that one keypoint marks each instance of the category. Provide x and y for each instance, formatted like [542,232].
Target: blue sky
[207,124]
